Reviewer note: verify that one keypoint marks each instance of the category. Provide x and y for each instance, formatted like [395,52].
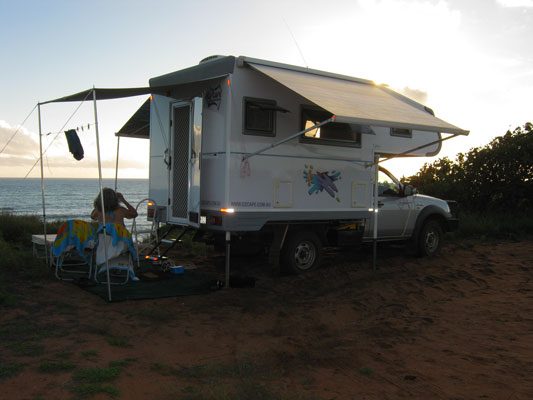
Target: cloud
[23,143]
[22,153]
[515,3]
[415,94]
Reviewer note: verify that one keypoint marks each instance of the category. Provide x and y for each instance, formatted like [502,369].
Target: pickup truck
[403,215]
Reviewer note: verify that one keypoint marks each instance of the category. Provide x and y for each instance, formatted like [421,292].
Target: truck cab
[403,214]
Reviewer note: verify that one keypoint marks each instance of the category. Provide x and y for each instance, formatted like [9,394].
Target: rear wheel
[430,239]
[302,252]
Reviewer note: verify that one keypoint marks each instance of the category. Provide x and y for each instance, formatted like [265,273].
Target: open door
[185,171]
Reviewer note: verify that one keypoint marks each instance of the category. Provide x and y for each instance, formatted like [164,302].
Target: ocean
[67,198]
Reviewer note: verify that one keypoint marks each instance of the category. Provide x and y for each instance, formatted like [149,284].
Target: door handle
[380,204]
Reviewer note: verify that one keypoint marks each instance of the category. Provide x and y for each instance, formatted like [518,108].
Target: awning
[138,126]
[106,94]
[182,90]
[358,102]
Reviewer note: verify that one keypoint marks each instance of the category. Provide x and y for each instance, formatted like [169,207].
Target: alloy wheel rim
[305,255]
[432,241]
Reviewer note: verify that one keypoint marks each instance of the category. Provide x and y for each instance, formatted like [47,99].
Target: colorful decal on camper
[318,181]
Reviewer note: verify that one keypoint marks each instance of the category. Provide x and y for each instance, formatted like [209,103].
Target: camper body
[209,168]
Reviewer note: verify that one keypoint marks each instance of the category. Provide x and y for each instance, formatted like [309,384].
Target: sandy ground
[459,326]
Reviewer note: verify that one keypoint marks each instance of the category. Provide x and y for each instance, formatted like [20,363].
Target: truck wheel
[430,239]
[302,252]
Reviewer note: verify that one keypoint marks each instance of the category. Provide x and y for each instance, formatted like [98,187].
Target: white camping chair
[72,250]
[117,245]
[143,243]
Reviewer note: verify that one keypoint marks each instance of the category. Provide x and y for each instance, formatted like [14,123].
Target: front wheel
[430,239]
[302,252]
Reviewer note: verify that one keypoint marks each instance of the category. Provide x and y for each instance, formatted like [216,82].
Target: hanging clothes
[74,144]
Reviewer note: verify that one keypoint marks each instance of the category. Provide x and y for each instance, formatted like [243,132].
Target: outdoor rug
[190,283]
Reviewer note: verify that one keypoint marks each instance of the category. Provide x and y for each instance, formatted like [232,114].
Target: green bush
[19,228]
[495,225]
[497,177]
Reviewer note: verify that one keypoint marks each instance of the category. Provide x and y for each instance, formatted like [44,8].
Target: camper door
[185,171]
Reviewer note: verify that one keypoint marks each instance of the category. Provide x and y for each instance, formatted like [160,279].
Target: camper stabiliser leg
[274,252]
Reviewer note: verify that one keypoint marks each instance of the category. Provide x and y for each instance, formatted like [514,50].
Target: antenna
[296,43]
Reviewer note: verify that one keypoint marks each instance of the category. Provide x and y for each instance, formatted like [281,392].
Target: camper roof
[351,100]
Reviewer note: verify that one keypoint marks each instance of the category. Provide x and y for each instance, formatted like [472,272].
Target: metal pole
[419,148]
[229,102]
[228,246]
[101,194]
[116,164]
[375,211]
[42,185]
[270,146]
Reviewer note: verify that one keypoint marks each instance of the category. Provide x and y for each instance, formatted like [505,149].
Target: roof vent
[210,58]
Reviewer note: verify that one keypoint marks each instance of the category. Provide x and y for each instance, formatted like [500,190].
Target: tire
[430,239]
[302,252]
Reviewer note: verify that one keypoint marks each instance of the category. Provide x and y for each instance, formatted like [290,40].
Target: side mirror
[408,190]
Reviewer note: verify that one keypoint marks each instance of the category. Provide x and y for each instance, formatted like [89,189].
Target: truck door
[185,167]
[394,208]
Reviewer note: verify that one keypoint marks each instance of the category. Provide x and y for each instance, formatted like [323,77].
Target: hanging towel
[74,144]
[74,233]
[118,240]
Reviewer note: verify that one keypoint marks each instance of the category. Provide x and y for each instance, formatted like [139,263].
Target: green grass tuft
[24,348]
[122,363]
[8,370]
[89,354]
[366,371]
[90,389]
[118,341]
[50,366]
[96,375]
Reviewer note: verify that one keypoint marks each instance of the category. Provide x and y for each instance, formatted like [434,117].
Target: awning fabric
[106,94]
[358,102]
[138,126]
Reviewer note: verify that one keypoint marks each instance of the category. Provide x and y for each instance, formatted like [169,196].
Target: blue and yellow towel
[73,233]
[119,233]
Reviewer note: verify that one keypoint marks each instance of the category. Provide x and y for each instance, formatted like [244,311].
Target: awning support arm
[275,144]
[416,148]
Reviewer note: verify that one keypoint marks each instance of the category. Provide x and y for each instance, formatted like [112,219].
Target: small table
[38,245]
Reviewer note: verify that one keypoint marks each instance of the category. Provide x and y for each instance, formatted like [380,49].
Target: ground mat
[190,283]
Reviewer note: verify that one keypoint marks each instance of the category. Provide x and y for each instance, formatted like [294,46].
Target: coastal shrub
[19,228]
[496,178]
[494,225]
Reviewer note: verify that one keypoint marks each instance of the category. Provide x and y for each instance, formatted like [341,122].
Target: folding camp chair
[72,250]
[117,245]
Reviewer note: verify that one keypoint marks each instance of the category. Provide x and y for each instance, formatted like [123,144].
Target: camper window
[333,133]
[406,133]
[259,117]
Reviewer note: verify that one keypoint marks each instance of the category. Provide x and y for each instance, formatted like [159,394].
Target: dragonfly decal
[319,181]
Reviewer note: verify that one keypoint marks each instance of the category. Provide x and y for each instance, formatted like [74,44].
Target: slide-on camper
[257,152]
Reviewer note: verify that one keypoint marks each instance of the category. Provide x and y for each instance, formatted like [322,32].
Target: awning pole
[116,165]
[101,196]
[42,185]
[419,148]
[375,211]
[270,146]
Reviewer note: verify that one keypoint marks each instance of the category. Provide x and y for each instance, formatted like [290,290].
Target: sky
[470,61]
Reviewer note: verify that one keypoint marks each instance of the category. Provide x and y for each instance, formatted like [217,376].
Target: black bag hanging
[74,144]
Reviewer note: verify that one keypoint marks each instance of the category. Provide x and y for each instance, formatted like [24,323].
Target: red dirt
[454,327]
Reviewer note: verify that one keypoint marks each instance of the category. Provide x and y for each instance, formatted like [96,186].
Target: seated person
[118,239]
[114,213]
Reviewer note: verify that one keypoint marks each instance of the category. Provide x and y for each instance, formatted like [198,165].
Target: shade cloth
[357,101]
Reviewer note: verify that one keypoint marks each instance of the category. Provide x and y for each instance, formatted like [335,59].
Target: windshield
[388,185]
